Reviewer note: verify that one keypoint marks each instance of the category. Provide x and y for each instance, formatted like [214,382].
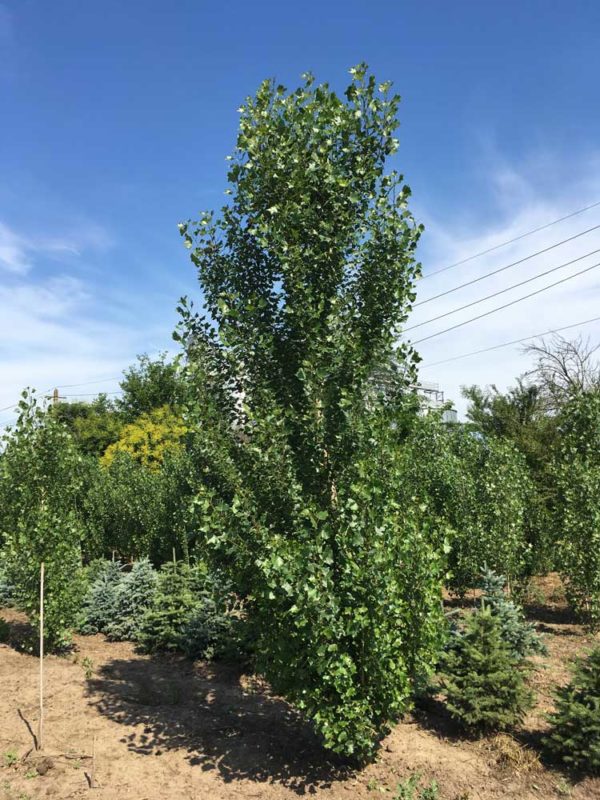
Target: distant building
[389,380]
[432,398]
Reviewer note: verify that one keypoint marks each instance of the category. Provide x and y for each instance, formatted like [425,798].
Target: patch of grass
[410,789]
[10,758]
[88,667]
[564,788]
[373,786]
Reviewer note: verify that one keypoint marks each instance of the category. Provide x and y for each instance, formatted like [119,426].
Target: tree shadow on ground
[22,636]
[222,723]
[550,614]
[433,716]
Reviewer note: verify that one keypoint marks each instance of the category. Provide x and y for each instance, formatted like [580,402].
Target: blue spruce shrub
[100,603]
[134,596]
[519,634]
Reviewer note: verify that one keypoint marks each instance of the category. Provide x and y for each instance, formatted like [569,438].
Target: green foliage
[179,608]
[575,734]
[6,588]
[148,385]
[100,603]
[164,624]
[519,634]
[94,426]
[308,276]
[578,516]
[478,490]
[134,596]
[410,789]
[497,508]
[217,628]
[138,512]
[40,521]
[521,417]
[482,678]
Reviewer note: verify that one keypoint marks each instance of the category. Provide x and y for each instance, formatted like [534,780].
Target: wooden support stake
[40,742]
[93,769]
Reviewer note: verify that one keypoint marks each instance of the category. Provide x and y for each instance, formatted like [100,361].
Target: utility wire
[506,305]
[507,266]
[90,394]
[514,341]
[502,291]
[509,241]
[87,383]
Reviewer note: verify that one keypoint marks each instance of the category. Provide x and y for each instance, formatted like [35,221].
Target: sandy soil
[162,728]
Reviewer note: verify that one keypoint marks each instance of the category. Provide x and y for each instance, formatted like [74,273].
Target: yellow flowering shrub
[149,438]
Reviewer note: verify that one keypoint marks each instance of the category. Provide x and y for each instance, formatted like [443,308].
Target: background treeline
[113,497]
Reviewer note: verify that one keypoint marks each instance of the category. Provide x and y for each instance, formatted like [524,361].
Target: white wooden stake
[41,728]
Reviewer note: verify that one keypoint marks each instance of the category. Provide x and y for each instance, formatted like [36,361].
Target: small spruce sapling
[163,625]
[100,603]
[217,628]
[135,595]
[483,679]
[520,635]
[575,734]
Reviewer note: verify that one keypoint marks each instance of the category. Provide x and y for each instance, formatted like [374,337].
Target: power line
[509,241]
[514,341]
[502,291]
[506,305]
[507,266]
[91,394]
[87,383]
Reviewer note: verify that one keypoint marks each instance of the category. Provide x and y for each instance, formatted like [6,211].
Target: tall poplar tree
[308,275]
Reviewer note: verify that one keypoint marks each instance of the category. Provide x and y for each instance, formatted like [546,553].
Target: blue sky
[116,117]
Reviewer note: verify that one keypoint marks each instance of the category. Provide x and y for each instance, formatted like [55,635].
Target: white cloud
[47,339]
[18,252]
[14,251]
[56,328]
[524,202]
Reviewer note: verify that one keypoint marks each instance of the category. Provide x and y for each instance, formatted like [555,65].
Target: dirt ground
[124,726]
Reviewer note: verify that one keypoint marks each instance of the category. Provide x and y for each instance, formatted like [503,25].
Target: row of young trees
[552,416]
[271,451]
